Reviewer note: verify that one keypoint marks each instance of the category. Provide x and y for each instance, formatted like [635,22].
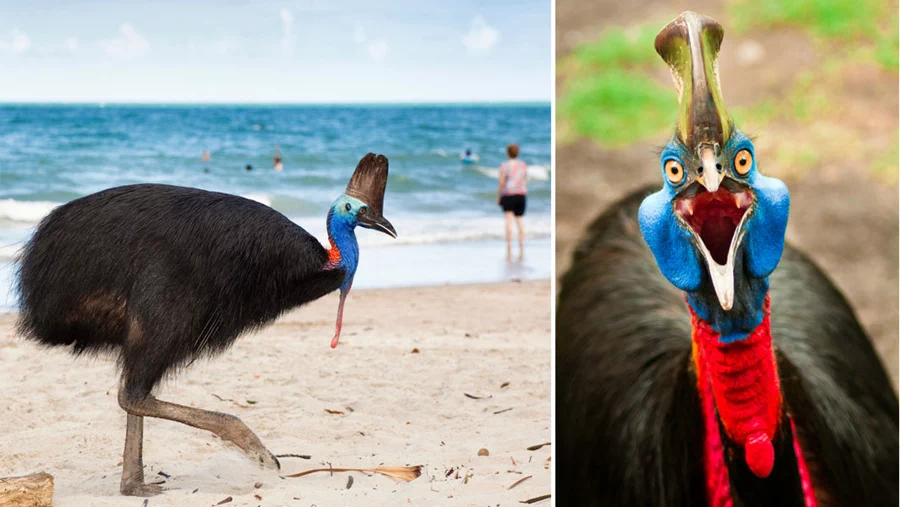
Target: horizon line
[288,103]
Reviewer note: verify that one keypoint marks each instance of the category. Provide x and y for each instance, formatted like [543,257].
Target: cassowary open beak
[378,223]
[716,221]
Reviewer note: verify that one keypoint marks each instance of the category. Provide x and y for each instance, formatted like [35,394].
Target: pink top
[516,177]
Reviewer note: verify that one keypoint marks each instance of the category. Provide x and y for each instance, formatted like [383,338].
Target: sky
[275,51]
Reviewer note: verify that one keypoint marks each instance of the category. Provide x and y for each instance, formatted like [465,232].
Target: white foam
[260,198]
[535,172]
[25,211]
[433,230]
[539,172]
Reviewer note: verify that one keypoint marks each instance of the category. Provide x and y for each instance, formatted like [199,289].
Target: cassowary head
[717,218]
[362,202]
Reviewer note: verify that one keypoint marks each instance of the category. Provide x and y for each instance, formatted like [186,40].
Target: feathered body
[192,269]
[162,275]
[630,422]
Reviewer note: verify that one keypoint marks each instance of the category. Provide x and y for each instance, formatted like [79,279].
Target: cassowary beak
[378,223]
[717,222]
[711,175]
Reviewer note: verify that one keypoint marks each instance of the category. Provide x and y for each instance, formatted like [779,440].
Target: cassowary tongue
[717,233]
[744,382]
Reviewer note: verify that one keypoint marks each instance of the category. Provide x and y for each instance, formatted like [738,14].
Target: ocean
[449,225]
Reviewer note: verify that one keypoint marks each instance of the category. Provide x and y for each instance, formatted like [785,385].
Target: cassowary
[694,373]
[162,275]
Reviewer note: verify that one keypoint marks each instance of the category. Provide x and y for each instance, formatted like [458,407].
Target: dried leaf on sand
[405,474]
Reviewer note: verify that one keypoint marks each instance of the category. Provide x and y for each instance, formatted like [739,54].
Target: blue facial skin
[341,224]
[682,263]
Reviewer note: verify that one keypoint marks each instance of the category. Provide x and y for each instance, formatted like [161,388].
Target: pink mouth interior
[714,217]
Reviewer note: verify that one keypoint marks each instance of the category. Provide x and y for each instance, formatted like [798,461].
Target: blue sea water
[50,154]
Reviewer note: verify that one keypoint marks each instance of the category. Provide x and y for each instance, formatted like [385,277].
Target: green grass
[843,19]
[618,108]
[608,97]
[874,21]
[619,48]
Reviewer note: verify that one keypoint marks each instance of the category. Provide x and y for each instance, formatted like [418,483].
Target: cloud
[378,49]
[287,33]
[130,45]
[19,42]
[71,44]
[481,37]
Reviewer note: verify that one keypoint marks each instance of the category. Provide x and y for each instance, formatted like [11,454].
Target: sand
[398,407]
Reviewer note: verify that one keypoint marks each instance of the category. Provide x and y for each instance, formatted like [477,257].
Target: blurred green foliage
[618,48]
[611,91]
[873,21]
[844,19]
[618,107]
[608,96]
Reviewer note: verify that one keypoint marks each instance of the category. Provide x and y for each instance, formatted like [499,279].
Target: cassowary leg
[225,426]
[340,315]
[133,461]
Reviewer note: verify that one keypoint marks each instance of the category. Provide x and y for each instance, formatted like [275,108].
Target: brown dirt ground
[842,216]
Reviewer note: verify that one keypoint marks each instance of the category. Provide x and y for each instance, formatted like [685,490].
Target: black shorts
[514,203]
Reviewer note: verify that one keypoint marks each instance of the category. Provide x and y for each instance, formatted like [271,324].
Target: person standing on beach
[511,196]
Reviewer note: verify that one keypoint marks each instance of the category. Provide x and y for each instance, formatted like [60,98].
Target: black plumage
[159,276]
[629,422]
[190,269]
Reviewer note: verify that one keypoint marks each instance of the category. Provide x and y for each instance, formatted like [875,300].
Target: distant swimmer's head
[248,168]
[512,150]
[206,169]
[468,152]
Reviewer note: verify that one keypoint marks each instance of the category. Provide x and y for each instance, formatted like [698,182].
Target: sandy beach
[393,393]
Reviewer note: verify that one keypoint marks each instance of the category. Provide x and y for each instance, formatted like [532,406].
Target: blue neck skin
[746,314]
[341,232]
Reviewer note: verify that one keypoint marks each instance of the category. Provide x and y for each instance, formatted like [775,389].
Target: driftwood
[35,490]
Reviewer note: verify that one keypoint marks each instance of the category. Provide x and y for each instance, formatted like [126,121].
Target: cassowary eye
[674,172]
[362,211]
[347,206]
[743,161]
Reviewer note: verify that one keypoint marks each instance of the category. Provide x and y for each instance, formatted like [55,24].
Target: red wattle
[760,454]
[744,382]
[738,384]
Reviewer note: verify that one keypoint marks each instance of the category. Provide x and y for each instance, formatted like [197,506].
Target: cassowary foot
[241,436]
[138,488]
[265,458]
[225,426]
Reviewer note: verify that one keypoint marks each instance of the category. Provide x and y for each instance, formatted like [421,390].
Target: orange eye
[674,172]
[743,161]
